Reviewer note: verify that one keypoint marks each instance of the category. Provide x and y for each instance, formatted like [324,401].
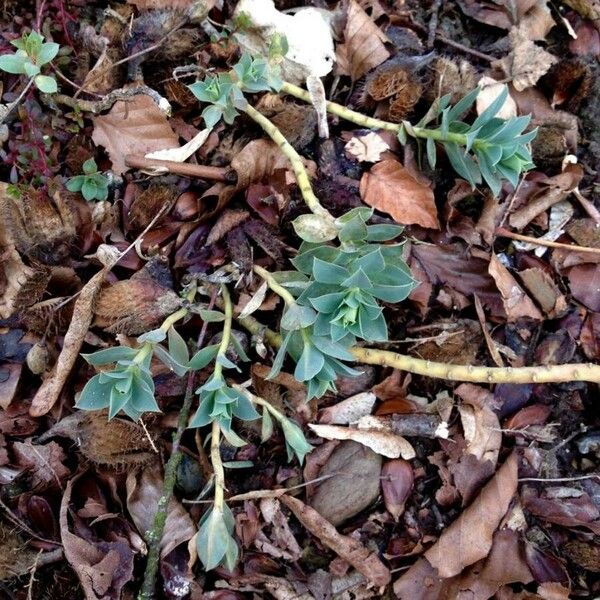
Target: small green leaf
[156,336]
[178,368]
[431,153]
[211,115]
[177,347]
[266,426]
[47,52]
[110,355]
[203,357]
[46,84]
[213,540]
[297,317]
[13,63]
[383,232]
[311,361]
[314,228]
[95,395]
[211,316]
[89,166]
[76,183]
[89,189]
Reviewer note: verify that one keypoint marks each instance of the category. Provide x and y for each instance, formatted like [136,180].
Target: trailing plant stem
[16,101]
[274,286]
[342,111]
[372,123]
[226,338]
[154,536]
[302,178]
[217,463]
[474,374]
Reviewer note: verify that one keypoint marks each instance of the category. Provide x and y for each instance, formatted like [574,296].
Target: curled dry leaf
[382,441]
[349,481]
[44,463]
[393,189]
[364,43]
[137,126]
[533,17]
[183,153]
[48,393]
[103,567]
[144,490]
[480,423]
[345,547]
[349,410]
[526,62]
[367,148]
[397,479]
[516,302]
[469,538]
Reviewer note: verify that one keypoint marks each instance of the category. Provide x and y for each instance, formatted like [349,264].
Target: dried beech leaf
[103,567]
[48,393]
[516,302]
[382,441]
[345,547]
[367,148]
[480,422]
[44,463]
[363,48]
[144,490]
[469,538]
[137,126]
[349,410]
[391,188]
[526,62]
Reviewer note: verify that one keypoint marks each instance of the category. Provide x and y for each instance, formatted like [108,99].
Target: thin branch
[16,102]
[505,233]
[187,169]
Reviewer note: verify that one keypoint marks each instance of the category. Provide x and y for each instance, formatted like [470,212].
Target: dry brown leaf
[397,479]
[168,4]
[44,462]
[103,568]
[144,490]
[469,538]
[137,126]
[517,303]
[349,410]
[480,423]
[381,440]
[533,17]
[526,62]
[367,148]
[48,393]
[345,547]
[228,220]
[392,188]
[363,48]
[544,290]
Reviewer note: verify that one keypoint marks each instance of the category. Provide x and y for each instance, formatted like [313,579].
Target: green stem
[342,111]
[218,370]
[217,463]
[274,285]
[474,374]
[154,535]
[302,178]
[372,123]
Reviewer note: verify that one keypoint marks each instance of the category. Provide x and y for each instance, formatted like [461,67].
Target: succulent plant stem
[474,374]
[226,338]
[302,178]
[274,286]
[372,123]
[217,463]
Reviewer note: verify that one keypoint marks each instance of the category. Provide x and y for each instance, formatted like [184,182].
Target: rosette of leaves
[31,55]
[490,148]
[127,387]
[346,282]
[93,185]
[216,544]
[224,92]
